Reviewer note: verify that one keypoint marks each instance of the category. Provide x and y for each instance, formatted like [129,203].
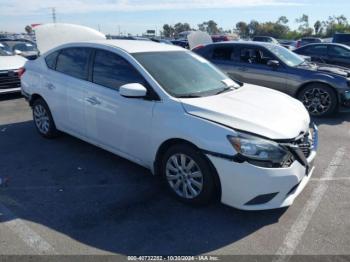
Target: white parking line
[24,232]
[331,179]
[297,230]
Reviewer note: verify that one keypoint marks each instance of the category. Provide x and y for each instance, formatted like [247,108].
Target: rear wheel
[188,175]
[319,99]
[43,119]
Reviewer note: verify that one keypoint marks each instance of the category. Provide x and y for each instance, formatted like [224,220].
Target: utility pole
[99,28]
[54,15]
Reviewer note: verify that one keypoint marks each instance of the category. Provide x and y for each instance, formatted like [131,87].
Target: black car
[342,39]
[183,43]
[308,40]
[328,53]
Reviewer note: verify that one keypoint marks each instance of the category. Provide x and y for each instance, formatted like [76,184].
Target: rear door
[72,69]
[120,124]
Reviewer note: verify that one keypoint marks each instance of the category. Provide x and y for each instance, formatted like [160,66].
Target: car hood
[11,62]
[253,109]
[329,69]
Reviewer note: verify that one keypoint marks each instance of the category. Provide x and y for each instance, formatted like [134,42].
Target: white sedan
[171,111]
[10,65]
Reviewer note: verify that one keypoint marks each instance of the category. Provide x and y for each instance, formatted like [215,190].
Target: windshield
[286,56]
[4,51]
[184,74]
[24,47]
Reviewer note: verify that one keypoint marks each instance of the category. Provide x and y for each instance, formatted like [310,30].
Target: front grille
[305,144]
[9,79]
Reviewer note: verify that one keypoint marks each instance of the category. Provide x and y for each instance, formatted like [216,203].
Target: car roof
[137,46]
[330,44]
[252,43]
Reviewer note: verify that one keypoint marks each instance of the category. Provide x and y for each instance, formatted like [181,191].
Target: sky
[137,16]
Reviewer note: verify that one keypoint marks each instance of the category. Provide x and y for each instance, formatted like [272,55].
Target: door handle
[50,86]
[93,101]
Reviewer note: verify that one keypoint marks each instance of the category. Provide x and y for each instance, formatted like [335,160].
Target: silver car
[323,89]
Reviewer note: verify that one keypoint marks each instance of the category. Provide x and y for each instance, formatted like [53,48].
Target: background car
[180,42]
[335,54]
[25,49]
[266,39]
[322,89]
[342,39]
[10,70]
[289,44]
[308,40]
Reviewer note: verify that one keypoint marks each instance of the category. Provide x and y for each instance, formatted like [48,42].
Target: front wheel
[319,99]
[188,175]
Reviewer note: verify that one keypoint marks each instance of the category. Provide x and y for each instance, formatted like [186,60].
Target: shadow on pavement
[11,96]
[336,119]
[107,202]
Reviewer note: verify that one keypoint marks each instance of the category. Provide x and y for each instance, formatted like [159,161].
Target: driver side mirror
[134,90]
[273,63]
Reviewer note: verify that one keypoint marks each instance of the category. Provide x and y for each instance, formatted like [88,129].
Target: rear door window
[74,62]
[224,53]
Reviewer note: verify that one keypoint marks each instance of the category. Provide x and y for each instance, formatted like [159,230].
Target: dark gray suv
[322,88]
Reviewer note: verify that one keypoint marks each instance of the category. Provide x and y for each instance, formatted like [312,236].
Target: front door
[115,122]
[254,69]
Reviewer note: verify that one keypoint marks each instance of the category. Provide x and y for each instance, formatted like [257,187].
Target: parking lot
[64,196]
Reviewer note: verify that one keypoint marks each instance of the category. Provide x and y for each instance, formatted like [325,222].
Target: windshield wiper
[189,96]
[224,90]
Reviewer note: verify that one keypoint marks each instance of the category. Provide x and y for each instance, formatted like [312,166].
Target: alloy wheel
[41,119]
[317,101]
[184,176]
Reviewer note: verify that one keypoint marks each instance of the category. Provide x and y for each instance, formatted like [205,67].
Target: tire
[182,165]
[319,99]
[43,120]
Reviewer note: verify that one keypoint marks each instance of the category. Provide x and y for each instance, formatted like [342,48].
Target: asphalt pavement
[64,196]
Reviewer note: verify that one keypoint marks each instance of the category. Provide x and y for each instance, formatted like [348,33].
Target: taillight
[21,71]
[197,47]
[298,44]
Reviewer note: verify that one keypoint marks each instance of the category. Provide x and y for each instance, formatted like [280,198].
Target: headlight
[258,149]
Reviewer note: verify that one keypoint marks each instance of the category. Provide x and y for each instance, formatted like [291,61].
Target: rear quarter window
[51,60]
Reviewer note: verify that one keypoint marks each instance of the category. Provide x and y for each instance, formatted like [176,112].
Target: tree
[318,27]
[242,29]
[336,24]
[181,27]
[168,31]
[282,20]
[304,27]
[211,27]
[253,28]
